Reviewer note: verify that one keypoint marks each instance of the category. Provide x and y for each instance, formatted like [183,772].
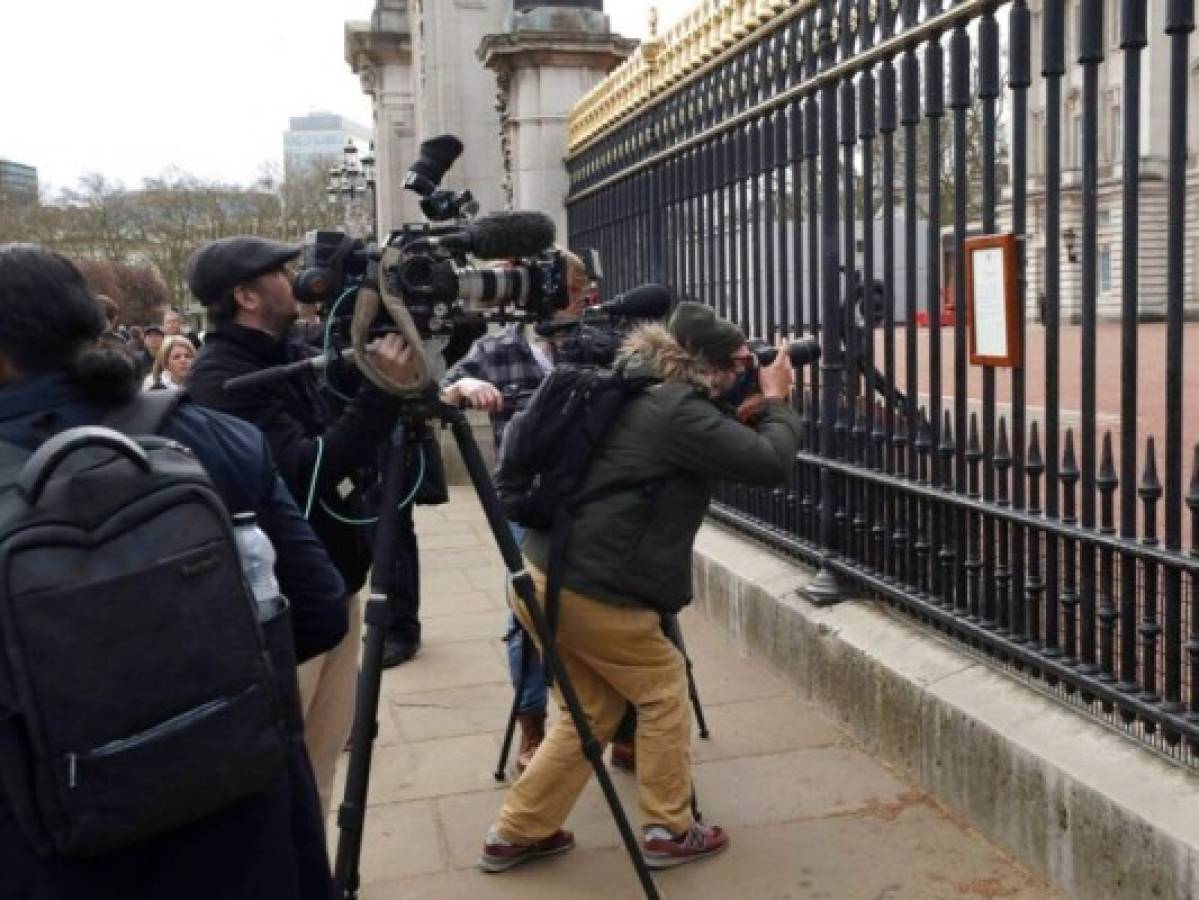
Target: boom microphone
[501,236]
[649,301]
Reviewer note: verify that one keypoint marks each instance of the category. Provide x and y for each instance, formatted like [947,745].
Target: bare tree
[161,224]
[137,290]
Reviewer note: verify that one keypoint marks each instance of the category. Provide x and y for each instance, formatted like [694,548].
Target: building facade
[1153,136]
[18,182]
[318,139]
[501,76]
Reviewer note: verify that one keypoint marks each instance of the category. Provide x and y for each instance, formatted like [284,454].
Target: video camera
[421,280]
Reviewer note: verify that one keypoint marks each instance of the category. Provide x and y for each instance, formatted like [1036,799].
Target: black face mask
[742,387]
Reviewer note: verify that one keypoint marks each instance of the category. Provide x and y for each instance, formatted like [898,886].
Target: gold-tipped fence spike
[666,58]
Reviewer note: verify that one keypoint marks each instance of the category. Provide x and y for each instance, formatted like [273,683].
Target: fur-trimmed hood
[651,350]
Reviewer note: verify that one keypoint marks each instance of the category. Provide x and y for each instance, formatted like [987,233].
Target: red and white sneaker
[661,851]
[499,855]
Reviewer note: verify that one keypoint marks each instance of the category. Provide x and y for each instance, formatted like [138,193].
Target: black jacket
[270,846]
[306,429]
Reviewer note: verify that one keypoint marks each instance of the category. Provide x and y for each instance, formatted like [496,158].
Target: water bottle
[257,558]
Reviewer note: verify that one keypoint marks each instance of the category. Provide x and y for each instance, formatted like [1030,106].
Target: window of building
[1105,268]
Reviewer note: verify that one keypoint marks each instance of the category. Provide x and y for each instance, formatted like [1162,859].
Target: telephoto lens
[803,352]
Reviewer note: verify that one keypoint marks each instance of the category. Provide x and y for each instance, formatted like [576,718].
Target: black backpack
[136,694]
[547,449]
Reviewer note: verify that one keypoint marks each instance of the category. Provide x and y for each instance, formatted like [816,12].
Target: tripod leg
[510,730]
[674,634]
[670,625]
[522,583]
[351,814]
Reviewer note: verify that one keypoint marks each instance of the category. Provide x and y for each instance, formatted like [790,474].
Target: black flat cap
[219,266]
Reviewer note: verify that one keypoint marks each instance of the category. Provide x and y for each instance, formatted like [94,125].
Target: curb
[1091,812]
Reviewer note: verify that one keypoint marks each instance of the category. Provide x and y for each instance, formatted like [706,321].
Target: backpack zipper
[168,726]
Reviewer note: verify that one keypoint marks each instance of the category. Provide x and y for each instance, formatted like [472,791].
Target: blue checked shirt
[504,359]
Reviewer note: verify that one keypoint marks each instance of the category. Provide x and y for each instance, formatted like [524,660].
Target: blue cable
[328,342]
[345,520]
[320,452]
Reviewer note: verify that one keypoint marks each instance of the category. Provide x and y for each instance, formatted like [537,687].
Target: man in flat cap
[320,445]
[629,564]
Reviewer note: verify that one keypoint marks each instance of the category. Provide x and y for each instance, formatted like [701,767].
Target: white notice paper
[988,306]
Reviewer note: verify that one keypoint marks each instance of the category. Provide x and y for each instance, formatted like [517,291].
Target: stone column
[380,54]
[545,60]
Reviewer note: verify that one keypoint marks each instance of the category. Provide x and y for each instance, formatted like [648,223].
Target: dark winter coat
[269,846]
[653,474]
[294,413]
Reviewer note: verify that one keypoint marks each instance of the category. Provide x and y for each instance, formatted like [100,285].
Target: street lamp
[351,182]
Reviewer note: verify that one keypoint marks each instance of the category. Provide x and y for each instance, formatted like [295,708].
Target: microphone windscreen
[649,301]
[508,235]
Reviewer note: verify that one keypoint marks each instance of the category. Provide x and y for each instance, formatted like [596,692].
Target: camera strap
[559,540]
[366,308]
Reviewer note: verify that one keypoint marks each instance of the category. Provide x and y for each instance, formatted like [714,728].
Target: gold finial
[653,22]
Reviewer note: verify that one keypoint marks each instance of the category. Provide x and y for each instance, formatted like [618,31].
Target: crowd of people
[306,462]
[164,352]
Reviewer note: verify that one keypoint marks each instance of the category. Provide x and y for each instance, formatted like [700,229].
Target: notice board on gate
[992,301]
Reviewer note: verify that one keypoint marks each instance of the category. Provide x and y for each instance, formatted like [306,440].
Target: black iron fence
[835,146]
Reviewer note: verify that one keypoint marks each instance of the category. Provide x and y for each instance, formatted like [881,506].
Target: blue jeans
[533,694]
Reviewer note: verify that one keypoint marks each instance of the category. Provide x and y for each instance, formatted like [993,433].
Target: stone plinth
[544,61]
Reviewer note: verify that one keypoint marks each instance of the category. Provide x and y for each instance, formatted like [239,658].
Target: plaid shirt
[505,360]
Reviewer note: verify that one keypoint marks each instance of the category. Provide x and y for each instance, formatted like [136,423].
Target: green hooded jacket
[653,474]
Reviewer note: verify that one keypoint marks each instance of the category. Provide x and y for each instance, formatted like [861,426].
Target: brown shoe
[532,733]
[698,842]
[624,756]
[499,855]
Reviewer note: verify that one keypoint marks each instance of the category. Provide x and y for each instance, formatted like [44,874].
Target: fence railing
[835,146]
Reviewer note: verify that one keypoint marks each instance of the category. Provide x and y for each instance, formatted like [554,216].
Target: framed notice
[992,304]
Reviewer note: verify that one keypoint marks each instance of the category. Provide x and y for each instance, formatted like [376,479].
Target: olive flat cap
[219,266]
[702,333]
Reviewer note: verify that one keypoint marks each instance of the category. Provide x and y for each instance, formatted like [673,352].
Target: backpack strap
[146,412]
[559,540]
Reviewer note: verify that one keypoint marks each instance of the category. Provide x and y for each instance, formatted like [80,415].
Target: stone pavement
[811,815]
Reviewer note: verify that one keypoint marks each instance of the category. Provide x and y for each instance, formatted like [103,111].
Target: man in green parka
[629,561]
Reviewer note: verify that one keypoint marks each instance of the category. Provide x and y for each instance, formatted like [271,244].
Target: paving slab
[450,712]
[460,600]
[448,665]
[811,813]
[454,628]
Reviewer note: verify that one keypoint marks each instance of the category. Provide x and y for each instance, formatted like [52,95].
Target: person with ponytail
[56,372]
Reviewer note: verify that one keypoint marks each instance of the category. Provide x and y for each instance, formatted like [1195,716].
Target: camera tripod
[352,813]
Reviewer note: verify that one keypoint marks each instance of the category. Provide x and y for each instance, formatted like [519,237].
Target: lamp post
[353,183]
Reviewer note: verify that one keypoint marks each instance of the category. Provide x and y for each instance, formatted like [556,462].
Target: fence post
[827,587]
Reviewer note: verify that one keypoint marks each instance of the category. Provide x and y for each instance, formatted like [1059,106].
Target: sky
[132,88]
